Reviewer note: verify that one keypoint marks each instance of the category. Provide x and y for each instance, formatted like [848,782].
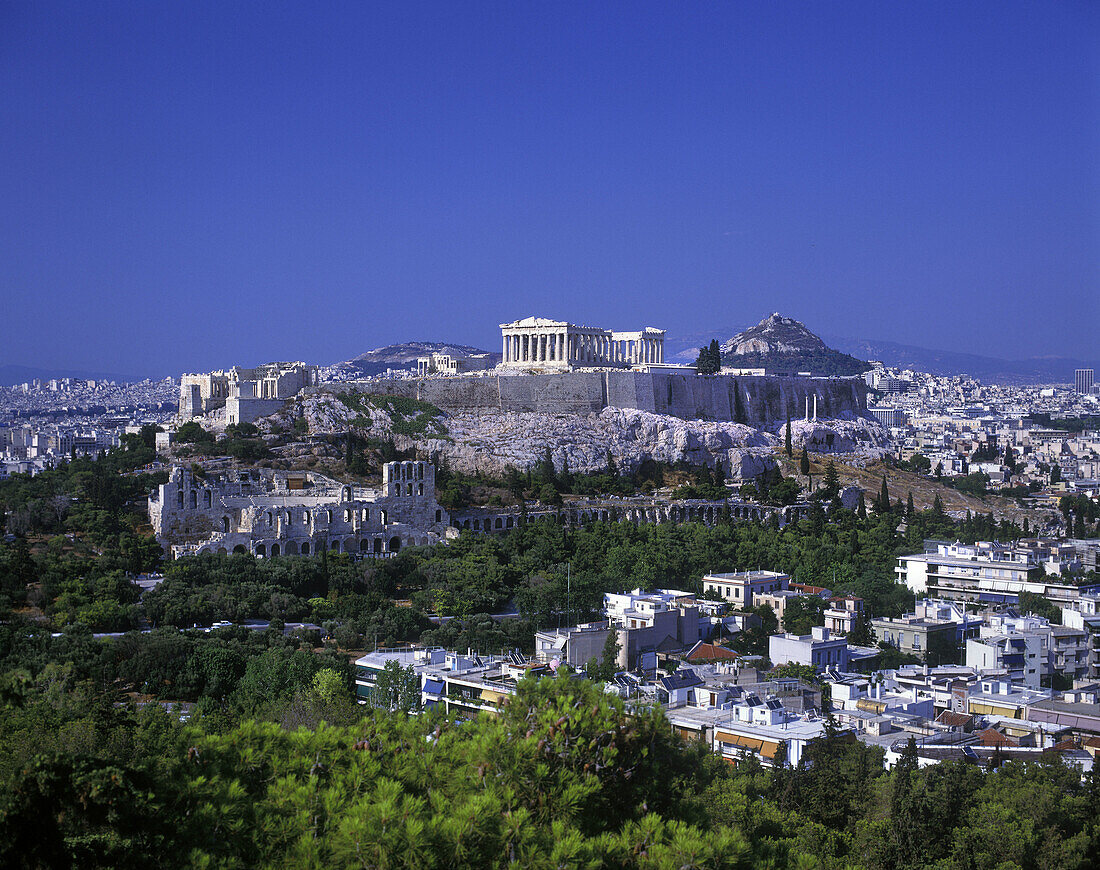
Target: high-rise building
[1083,380]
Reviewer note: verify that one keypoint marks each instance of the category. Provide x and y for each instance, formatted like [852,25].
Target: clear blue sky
[187,185]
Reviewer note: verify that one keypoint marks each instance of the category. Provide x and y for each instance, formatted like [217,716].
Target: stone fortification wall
[763,399]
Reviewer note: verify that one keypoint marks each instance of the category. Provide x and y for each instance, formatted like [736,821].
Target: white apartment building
[742,587]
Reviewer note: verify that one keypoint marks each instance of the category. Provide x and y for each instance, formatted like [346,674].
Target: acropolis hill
[581,392]
[556,367]
[758,400]
[584,393]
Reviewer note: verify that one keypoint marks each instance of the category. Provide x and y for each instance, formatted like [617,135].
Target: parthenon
[539,343]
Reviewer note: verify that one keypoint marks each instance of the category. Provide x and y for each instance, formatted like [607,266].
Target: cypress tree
[909,508]
[738,406]
[883,505]
[831,484]
[787,440]
[861,509]
[804,462]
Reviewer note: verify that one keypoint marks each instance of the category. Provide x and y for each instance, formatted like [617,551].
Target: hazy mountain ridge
[1049,369]
[11,375]
[403,356]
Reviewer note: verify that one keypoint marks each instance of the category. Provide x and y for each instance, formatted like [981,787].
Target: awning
[993,710]
[766,748]
[434,687]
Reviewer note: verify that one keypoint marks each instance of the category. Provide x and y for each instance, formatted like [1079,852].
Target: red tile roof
[708,652]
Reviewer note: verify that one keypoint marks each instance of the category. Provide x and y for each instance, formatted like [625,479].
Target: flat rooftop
[746,575]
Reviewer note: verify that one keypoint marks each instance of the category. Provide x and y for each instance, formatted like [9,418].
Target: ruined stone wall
[763,399]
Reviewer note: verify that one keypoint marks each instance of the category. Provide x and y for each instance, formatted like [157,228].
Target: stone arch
[206,498]
[222,551]
[364,546]
[305,548]
[261,550]
[291,548]
[225,524]
[383,517]
[350,545]
[366,515]
[194,500]
[395,544]
[377,545]
[274,549]
[347,515]
[420,489]
[240,548]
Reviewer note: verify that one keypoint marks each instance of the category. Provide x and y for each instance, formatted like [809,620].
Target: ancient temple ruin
[245,394]
[273,513]
[555,345]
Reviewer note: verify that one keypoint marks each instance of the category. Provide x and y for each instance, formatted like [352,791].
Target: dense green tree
[802,613]
[396,688]
[739,415]
[830,484]
[709,361]
[882,506]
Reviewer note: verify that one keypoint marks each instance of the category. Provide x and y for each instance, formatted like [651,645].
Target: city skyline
[190,187]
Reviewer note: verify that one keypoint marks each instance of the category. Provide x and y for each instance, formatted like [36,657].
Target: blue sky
[185,186]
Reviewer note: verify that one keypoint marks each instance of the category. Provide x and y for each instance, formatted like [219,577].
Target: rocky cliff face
[774,334]
[489,440]
[783,344]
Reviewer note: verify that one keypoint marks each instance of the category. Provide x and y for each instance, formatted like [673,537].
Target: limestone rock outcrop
[862,435]
[489,440]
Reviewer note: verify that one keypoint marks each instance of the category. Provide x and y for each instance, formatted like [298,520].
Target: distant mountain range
[1036,370]
[403,356]
[12,375]
[777,342]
